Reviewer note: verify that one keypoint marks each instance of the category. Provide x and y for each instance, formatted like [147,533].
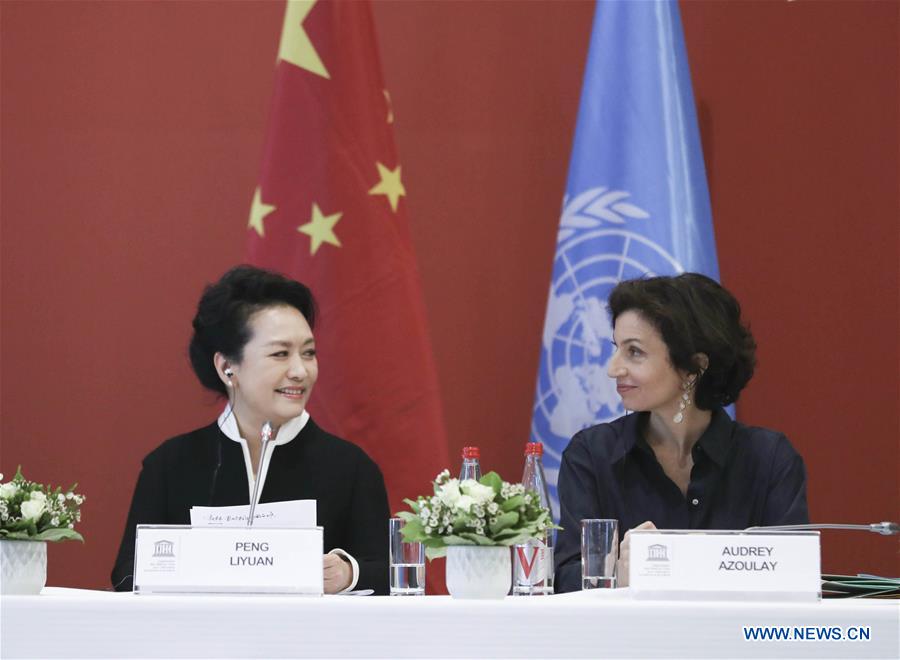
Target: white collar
[287,432]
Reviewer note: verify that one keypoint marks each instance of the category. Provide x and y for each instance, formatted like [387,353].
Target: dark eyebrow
[631,340]
[287,344]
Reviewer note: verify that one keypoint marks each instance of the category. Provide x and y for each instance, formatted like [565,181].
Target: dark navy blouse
[743,476]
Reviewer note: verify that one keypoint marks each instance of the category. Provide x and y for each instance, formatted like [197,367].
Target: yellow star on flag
[295,46]
[390,185]
[258,212]
[320,229]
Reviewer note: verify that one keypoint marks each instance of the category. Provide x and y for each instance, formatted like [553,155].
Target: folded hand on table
[338,573]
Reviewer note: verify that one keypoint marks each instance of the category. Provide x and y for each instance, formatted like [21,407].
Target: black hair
[221,322]
[695,314]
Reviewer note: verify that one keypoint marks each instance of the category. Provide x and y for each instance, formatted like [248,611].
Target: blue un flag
[636,204]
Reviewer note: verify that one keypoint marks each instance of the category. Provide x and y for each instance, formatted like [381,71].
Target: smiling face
[645,377]
[276,374]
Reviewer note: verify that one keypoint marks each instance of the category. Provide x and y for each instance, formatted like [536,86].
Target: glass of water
[407,563]
[599,552]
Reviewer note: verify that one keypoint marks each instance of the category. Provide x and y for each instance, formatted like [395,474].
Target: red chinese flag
[330,211]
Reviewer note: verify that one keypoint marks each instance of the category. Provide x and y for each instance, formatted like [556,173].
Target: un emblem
[601,241]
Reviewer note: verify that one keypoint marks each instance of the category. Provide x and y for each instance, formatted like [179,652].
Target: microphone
[215,474]
[265,435]
[883,528]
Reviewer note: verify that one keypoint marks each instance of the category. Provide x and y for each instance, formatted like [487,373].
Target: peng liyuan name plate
[182,559]
[725,565]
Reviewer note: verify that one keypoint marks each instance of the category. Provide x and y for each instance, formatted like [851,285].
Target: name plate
[185,559]
[725,565]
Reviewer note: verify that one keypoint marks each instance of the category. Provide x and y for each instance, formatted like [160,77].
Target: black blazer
[206,468]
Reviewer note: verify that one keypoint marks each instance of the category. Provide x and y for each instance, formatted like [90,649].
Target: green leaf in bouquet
[513,503]
[412,530]
[493,480]
[412,505]
[460,520]
[506,534]
[59,534]
[20,526]
[520,537]
[406,516]
[433,542]
[503,521]
[454,539]
[435,552]
[479,539]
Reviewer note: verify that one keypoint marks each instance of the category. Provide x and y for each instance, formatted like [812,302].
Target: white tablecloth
[76,623]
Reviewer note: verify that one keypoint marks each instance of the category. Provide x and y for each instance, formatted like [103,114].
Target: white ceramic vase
[478,571]
[23,567]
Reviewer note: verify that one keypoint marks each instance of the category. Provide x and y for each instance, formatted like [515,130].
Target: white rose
[39,496]
[8,490]
[449,492]
[465,502]
[32,509]
[480,493]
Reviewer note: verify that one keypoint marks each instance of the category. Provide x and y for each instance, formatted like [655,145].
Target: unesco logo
[599,244]
[164,549]
[657,552]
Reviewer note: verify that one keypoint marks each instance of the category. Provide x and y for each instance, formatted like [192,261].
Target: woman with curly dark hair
[253,344]
[679,462]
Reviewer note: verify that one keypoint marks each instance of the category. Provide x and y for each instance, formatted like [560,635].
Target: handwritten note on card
[296,513]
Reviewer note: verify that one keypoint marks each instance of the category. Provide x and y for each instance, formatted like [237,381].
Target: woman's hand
[625,551]
[338,573]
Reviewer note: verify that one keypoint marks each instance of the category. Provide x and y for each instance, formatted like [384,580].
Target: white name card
[725,565]
[185,559]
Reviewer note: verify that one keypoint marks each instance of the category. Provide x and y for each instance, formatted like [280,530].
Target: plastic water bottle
[533,560]
[471,464]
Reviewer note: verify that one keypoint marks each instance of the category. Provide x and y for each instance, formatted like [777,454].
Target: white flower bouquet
[33,512]
[488,512]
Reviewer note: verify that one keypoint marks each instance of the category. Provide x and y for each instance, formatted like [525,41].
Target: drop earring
[684,401]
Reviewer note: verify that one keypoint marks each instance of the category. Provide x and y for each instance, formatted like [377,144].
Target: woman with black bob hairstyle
[253,344]
[679,462]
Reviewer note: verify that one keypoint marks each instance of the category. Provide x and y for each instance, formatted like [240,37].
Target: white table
[77,623]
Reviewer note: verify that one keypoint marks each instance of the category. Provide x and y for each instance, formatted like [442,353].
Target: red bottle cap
[471,452]
[534,449]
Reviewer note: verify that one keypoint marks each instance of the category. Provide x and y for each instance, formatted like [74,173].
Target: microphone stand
[883,528]
[264,437]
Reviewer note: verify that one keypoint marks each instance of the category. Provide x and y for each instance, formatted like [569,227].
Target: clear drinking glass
[407,563]
[599,552]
